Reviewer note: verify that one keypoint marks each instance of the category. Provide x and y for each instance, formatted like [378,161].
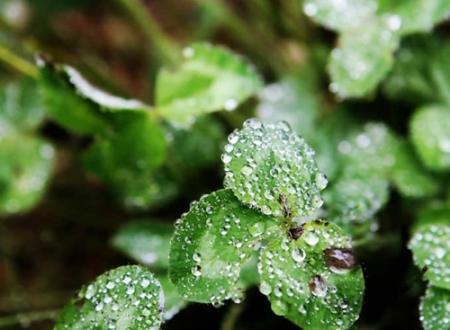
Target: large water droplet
[318,286]
[298,255]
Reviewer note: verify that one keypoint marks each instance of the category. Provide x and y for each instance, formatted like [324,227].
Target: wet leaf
[26,164]
[271,168]
[128,297]
[21,107]
[430,134]
[146,241]
[409,176]
[209,79]
[211,244]
[362,59]
[435,309]
[430,245]
[313,280]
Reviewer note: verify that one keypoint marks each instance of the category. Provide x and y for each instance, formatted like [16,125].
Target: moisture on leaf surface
[313,279]
[430,134]
[146,241]
[435,309]
[211,244]
[430,245]
[125,298]
[26,164]
[271,168]
[209,79]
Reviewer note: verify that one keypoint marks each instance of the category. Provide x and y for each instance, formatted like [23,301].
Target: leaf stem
[166,48]
[231,317]
[29,317]
[18,63]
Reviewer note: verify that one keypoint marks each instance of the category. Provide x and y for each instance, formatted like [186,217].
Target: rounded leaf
[128,297]
[211,244]
[430,134]
[271,168]
[435,309]
[312,278]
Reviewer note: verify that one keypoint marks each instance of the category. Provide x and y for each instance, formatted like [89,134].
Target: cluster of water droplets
[127,297]
[431,250]
[304,277]
[435,309]
[271,168]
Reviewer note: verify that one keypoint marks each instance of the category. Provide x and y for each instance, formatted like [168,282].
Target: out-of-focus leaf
[362,59]
[435,309]
[173,302]
[146,241]
[128,297]
[26,164]
[209,79]
[198,147]
[211,244]
[314,279]
[430,134]
[20,107]
[421,72]
[409,176]
[271,168]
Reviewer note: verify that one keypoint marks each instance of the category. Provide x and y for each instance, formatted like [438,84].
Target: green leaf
[371,149]
[146,241]
[409,176]
[271,168]
[421,72]
[413,16]
[66,107]
[128,297]
[340,15]
[313,280]
[200,146]
[20,106]
[173,302]
[430,134]
[353,201]
[211,244]
[362,59]
[435,309]
[431,251]
[209,79]
[26,164]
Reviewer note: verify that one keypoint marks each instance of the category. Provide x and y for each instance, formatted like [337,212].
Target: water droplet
[340,260]
[257,229]
[226,158]
[230,104]
[298,255]
[246,170]
[310,9]
[252,123]
[197,257]
[265,288]
[196,271]
[321,181]
[279,308]
[394,22]
[318,286]
[311,238]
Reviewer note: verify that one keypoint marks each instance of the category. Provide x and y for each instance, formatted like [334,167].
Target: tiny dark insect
[296,232]
[340,258]
[284,204]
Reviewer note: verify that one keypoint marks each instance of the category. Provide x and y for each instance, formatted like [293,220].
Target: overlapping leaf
[435,309]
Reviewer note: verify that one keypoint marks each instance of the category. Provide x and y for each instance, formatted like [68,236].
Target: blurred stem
[231,317]
[18,63]
[27,318]
[167,49]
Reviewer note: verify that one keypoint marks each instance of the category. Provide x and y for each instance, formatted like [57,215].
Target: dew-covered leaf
[66,107]
[271,168]
[369,150]
[211,244]
[313,279]
[209,79]
[21,106]
[353,200]
[362,59]
[435,309]
[173,302]
[430,245]
[128,297]
[198,147]
[340,15]
[430,134]
[146,241]
[414,16]
[26,164]
[409,176]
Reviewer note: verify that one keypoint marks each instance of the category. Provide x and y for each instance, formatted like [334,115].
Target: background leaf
[434,309]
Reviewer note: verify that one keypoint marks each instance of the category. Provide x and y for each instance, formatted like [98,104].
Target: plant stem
[231,317]
[29,317]
[18,63]
[167,50]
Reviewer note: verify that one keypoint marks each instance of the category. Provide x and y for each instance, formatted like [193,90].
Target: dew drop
[318,286]
[265,288]
[196,271]
[298,255]
[230,104]
[246,170]
[311,238]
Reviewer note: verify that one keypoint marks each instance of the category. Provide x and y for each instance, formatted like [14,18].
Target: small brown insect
[340,258]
